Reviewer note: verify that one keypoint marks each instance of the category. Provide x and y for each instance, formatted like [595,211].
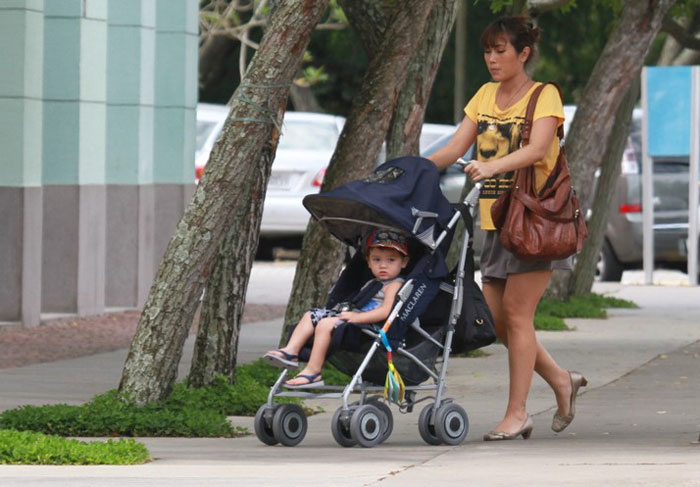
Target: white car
[303,153]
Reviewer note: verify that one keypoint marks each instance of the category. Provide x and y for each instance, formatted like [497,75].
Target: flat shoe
[559,423]
[313,380]
[525,430]
[289,361]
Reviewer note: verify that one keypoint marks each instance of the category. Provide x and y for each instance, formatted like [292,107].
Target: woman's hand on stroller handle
[476,170]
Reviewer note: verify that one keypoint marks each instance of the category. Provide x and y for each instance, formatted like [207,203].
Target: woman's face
[503,61]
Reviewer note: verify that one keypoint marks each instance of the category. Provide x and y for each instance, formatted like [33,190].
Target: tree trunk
[407,122]
[216,346]
[369,20]
[584,273]
[620,62]
[236,175]
[358,147]
[589,135]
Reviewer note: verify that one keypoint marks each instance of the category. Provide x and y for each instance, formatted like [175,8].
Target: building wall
[97,130]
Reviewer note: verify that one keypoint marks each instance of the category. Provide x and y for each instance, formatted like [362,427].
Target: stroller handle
[473,196]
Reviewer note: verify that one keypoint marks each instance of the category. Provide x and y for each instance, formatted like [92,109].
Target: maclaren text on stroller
[436,311]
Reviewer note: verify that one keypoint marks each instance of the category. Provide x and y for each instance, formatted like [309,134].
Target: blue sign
[668,102]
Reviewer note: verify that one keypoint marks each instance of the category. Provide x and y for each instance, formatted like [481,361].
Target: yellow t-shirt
[498,134]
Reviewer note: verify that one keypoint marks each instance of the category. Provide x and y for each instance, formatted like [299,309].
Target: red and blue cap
[388,239]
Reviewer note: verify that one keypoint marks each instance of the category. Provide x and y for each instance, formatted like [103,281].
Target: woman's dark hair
[520,31]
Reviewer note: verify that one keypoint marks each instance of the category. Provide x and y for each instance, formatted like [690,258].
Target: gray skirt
[497,262]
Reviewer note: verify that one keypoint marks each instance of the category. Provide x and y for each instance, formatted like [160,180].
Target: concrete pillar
[21,35]
[174,115]
[129,163]
[75,50]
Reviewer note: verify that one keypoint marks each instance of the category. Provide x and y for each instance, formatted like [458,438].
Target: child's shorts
[317,314]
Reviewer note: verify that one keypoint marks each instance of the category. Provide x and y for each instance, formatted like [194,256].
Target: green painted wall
[21,38]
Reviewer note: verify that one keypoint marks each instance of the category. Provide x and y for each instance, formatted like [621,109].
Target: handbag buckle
[479,321]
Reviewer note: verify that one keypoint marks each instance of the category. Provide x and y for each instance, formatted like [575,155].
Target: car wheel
[608,268]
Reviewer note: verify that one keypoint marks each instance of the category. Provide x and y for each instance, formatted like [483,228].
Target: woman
[513,287]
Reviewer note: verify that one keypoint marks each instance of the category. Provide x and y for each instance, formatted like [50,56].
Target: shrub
[107,415]
[551,311]
[27,448]
[186,412]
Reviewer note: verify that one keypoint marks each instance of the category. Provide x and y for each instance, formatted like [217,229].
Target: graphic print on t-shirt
[495,138]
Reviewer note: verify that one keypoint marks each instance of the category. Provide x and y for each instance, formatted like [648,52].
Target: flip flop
[289,361]
[312,382]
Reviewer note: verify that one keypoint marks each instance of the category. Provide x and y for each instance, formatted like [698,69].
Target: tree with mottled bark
[590,132]
[582,279]
[229,197]
[357,150]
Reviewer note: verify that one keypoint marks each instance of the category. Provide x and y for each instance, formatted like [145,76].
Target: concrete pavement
[635,423]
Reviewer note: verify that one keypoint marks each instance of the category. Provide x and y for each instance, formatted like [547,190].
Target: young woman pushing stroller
[513,287]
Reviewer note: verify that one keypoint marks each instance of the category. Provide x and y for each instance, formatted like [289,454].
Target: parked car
[430,132]
[622,247]
[210,121]
[303,153]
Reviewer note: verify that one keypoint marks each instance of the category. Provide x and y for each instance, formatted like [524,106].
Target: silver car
[303,153]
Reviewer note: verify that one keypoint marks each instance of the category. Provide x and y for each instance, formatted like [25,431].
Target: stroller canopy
[403,194]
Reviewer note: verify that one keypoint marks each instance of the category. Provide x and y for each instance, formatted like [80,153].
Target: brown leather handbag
[544,225]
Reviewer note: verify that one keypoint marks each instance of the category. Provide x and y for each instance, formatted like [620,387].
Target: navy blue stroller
[436,311]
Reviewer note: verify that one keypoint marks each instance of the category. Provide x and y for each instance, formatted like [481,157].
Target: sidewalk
[635,421]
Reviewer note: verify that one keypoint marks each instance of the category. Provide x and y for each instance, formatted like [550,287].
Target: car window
[308,136]
[204,128]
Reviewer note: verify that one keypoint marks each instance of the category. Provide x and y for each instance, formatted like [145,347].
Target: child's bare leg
[322,340]
[301,334]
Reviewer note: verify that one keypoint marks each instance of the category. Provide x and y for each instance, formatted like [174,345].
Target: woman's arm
[378,314]
[457,146]
[543,130]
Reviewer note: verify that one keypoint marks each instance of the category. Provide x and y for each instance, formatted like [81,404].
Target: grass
[187,412]
[550,312]
[28,448]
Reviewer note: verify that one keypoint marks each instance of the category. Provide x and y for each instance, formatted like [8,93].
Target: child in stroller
[386,252]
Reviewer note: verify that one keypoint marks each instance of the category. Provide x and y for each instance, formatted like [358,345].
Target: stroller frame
[368,422]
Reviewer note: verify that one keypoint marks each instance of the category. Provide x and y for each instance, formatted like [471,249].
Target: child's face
[385,263]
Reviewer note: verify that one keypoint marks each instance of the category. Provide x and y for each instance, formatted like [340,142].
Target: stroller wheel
[389,418]
[427,430]
[451,424]
[367,425]
[289,424]
[340,427]
[263,424]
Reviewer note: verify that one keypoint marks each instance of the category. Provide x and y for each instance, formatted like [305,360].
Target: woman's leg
[557,377]
[322,340]
[514,303]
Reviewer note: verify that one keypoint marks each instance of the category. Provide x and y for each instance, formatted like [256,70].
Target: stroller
[435,311]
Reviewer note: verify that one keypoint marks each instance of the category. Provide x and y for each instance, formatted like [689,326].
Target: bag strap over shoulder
[530,112]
